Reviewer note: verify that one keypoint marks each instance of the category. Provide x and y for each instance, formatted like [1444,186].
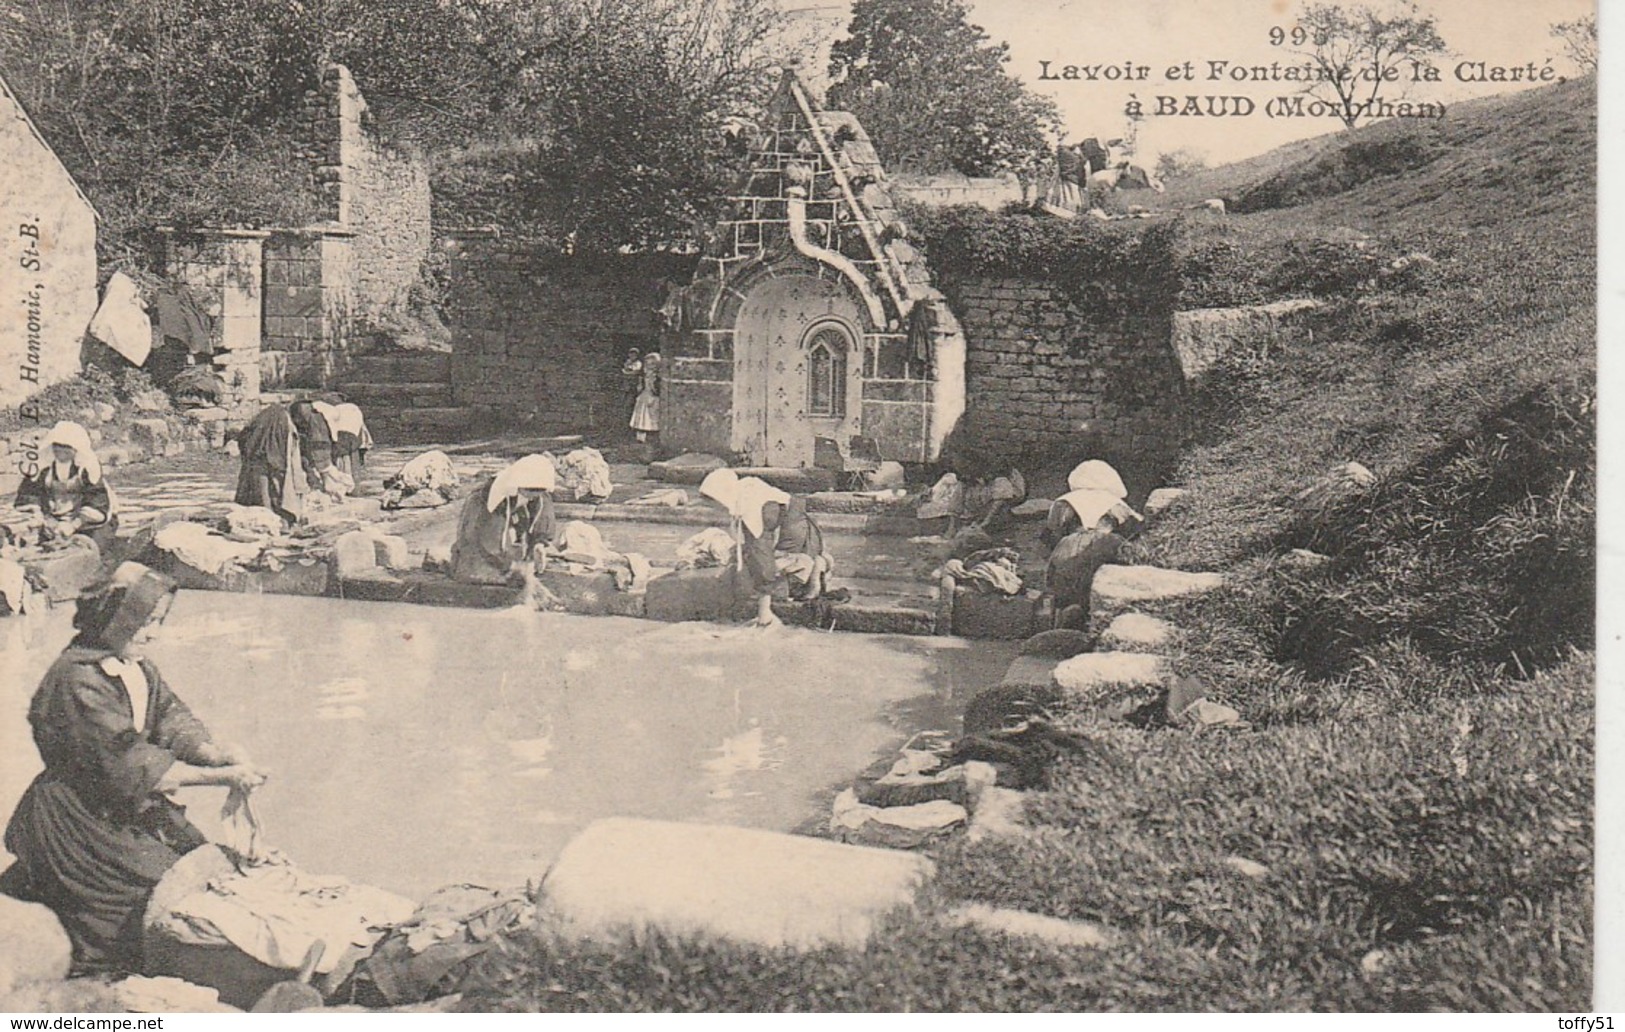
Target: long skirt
[258,484]
[94,870]
[646,413]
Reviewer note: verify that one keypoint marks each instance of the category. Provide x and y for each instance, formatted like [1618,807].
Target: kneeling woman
[97,829]
[505,523]
[780,539]
[1093,475]
[69,491]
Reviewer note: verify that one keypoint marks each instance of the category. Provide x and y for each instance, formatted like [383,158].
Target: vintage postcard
[784,505]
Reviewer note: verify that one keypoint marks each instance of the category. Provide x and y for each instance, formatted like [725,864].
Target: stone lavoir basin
[412,747]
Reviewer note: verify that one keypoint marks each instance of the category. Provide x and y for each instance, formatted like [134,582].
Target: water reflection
[411,747]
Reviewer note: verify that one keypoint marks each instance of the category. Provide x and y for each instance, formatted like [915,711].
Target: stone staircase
[406,395]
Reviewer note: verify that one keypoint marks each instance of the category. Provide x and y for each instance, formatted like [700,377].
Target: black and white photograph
[764,506]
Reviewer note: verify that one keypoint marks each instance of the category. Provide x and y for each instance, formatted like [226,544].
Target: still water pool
[411,747]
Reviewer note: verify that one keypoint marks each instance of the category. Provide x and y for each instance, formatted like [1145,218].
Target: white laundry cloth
[122,322]
[273,912]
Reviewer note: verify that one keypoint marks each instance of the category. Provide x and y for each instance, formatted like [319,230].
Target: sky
[1160,33]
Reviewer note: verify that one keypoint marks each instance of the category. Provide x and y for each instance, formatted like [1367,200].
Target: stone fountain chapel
[810,314]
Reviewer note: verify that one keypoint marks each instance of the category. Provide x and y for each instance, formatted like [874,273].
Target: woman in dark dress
[504,522]
[779,539]
[269,448]
[69,491]
[315,441]
[97,829]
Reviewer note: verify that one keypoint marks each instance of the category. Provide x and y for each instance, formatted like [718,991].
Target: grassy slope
[1419,783]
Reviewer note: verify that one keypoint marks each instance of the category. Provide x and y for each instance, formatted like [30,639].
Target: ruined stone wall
[1048,373]
[388,212]
[538,338]
[1203,337]
[356,266]
[309,301]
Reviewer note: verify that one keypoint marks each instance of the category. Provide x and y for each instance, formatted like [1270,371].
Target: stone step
[1137,632]
[455,417]
[416,394]
[1117,681]
[1115,587]
[406,366]
[876,608]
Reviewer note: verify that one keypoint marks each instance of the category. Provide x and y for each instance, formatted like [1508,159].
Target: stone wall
[309,300]
[950,188]
[538,338]
[224,269]
[1049,373]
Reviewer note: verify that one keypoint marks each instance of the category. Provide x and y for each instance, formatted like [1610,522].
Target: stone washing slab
[759,887]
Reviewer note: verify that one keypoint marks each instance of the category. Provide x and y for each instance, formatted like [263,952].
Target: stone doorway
[798,366]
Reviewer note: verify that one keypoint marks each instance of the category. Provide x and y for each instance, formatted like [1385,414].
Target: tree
[602,114]
[1179,163]
[1363,52]
[933,93]
[1579,39]
[622,102]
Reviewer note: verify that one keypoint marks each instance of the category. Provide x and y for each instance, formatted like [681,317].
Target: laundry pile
[993,570]
[579,548]
[711,547]
[426,481]
[924,796]
[584,474]
[240,919]
[245,538]
[670,498]
[430,954]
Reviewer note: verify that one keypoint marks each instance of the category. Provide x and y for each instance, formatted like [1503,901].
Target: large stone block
[355,554]
[750,886]
[982,615]
[66,573]
[708,594]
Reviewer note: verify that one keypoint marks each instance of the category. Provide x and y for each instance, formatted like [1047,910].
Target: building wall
[539,338]
[47,262]
[1047,373]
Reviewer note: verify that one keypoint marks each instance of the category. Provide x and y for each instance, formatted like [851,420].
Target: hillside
[1469,383]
